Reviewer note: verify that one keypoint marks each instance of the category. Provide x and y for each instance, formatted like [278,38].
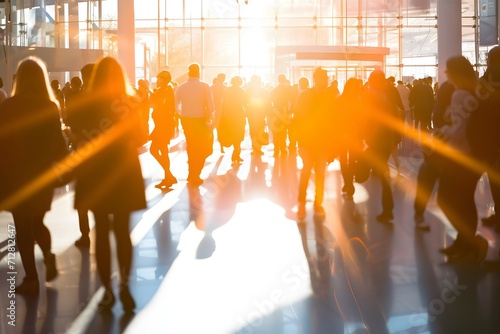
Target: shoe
[83,242]
[301,212]
[166,183]
[28,287]
[450,250]
[107,301]
[385,217]
[128,302]
[50,267]
[490,221]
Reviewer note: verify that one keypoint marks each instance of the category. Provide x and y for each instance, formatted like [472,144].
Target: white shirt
[194,99]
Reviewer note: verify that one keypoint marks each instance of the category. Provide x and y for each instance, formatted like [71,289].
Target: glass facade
[240,38]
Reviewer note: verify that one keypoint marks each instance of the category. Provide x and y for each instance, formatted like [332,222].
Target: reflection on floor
[230,258]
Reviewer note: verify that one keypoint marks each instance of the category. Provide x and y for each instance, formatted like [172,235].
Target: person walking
[109,180]
[233,118]
[312,126]
[163,116]
[196,108]
[31,143]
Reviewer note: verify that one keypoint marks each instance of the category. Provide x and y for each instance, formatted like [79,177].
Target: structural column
[126,37]
[449,33]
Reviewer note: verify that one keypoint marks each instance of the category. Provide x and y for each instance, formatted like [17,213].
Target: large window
[241,38]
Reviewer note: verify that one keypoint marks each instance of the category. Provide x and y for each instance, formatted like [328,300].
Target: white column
[126,37]
[449,33]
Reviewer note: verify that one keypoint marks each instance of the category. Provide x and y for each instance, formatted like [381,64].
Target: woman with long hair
[109,179]
[31,144]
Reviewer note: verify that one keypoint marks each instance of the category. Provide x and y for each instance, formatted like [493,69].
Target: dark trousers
[427,178]
[347,164]
[379,157]
[317,162]
[30,228]
[83,221]
[457,186]
[199,142]
[119,223]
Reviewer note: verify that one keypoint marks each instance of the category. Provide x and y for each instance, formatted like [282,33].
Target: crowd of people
[89,131]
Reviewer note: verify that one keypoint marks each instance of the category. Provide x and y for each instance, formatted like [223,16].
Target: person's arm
[210,107]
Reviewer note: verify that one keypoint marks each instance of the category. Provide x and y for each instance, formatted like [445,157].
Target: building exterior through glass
[347,37]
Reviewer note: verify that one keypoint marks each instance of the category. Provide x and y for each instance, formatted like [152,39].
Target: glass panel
[221,47]
[257,47]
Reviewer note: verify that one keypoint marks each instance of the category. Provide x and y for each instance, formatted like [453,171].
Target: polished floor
[231,258]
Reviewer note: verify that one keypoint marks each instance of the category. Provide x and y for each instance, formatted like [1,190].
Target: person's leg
[42,237]
[83,222]
[103,258]
[25,243]
[346,170]
[427,177]
[305,174]
[124,252]
[319,170]
[387,198]
[456,198]
[383,172]
[237,152]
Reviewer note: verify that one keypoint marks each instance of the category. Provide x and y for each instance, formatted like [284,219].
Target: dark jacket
[109,177]
[31,144]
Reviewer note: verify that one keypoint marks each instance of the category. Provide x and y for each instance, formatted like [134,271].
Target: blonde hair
[32,79]
[109,79]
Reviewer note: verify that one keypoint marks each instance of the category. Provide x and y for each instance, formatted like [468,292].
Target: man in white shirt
[404,93]
[195,105]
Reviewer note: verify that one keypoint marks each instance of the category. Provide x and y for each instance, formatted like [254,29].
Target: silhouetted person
[109,179]
[428,172]
[218,87]
[380,133]
[233,119]
[257,109]
[404,94]
[280,98]
[302,86]
[56,89]
[457,181]
[312,124]
[164,118]
[197,112]
[491,83]
[422,101]
[348,110]
[31,142]
[75,114]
